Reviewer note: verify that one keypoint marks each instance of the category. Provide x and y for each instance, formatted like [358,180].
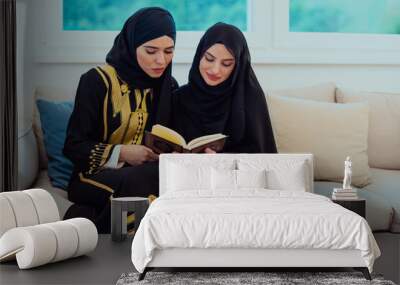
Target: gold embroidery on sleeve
[95,183]
[98,157]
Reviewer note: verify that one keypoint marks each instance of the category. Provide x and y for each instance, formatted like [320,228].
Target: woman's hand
[209,150]
[136,154]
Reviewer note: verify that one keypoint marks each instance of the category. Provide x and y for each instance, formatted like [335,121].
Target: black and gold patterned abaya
[114,105]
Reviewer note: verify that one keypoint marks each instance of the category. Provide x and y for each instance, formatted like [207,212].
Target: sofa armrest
[28,159]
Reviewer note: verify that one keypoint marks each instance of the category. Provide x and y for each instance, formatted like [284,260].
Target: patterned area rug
[269,278]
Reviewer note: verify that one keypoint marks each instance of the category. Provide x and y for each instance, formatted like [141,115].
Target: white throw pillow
[228,179]
[324,92]
[329,131]
[223,179]
[293,179]
[291,175]
[182,177]
[251,178]
[384,126]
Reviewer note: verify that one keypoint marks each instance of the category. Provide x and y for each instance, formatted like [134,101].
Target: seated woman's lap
[95,190]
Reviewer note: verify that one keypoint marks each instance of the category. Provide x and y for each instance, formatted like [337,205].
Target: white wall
[383,77]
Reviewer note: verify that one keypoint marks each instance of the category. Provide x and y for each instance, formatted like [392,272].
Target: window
[344,16]
[70,31]
[277,31]
[190,15]
[336,31]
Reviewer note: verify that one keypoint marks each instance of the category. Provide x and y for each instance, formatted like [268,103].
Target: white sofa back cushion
[168,176]
[384,125]
[329,131]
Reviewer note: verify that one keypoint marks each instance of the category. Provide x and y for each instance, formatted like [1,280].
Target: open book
[165,140]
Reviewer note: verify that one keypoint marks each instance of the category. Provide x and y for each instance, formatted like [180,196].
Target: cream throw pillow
[324,92]
[384,126]
[329,131]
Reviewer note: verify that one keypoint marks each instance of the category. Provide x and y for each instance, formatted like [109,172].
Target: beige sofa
[382,193]
[33,160]
[316,119]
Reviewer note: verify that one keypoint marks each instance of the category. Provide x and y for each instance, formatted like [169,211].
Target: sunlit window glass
[189,15]
[345,16]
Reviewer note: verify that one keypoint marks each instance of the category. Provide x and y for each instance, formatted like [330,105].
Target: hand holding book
[165,140]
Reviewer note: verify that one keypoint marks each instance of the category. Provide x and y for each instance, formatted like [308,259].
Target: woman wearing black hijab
[114,104]
[223,95]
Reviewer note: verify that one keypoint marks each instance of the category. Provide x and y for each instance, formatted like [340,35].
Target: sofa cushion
[384,126]
[54,94]
[28,161]
[329,131]
[324,92]
[54,118]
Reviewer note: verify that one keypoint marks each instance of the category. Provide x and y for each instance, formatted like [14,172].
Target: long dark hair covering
[235,107]
[144,25]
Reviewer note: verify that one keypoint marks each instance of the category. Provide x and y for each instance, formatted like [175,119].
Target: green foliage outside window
[189,15]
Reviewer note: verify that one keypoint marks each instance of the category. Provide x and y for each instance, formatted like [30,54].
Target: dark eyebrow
[153,47]
[226,59]
[210,54]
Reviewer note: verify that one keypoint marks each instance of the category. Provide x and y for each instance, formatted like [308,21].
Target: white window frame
[56,45]
[335,48]
[269,40]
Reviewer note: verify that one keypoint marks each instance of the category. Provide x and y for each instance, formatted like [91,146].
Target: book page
[168,134]
[203,140]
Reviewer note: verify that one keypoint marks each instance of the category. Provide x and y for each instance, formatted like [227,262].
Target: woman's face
[155,55]
[216,65]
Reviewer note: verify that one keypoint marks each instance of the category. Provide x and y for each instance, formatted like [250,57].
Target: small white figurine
[347,174]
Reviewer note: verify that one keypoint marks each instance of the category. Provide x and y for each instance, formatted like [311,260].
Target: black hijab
[145,25]
[235,107]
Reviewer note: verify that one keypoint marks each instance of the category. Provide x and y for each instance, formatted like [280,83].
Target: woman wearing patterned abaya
[114,105]
[223,95]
